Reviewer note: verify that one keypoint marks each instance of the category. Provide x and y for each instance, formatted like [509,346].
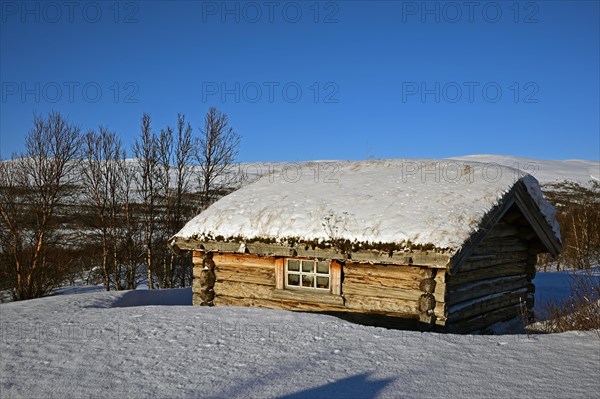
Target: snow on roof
[421,201]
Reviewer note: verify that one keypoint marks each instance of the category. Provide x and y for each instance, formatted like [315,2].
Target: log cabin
[437,245]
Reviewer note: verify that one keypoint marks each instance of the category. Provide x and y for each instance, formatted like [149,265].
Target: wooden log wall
[494,283]
[409,291]
[399,291]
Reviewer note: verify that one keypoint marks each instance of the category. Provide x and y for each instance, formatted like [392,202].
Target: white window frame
[301,273]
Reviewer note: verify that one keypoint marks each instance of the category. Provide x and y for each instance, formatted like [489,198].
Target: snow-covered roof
[437,203]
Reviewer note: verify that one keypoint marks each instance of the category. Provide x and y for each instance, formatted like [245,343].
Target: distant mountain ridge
[547,172]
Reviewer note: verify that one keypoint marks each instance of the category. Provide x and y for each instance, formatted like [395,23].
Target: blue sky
[306,80]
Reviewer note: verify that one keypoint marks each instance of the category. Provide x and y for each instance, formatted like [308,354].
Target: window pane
[308,281]
[323,267]
[294,279]
[322,282]
[307,266]
[293,265]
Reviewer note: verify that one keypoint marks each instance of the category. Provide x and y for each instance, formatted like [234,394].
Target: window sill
[301,295]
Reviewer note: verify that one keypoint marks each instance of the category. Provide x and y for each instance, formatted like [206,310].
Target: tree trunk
[105,263]
[117,266]
[149,267]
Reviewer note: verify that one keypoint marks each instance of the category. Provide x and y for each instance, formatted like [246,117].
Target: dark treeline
[79,205]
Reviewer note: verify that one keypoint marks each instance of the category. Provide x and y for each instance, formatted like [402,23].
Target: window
[307,273]
[306,276]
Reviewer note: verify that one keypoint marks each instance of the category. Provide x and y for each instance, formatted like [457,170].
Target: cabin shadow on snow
[170,297]
[377,320]
[350,387]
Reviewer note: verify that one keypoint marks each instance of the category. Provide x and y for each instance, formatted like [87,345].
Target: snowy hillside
[545,171]
[89,345]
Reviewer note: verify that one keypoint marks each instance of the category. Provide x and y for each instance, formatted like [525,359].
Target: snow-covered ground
[153,344]
[94,345]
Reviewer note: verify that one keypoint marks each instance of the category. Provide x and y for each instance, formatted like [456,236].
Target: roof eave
[433,258]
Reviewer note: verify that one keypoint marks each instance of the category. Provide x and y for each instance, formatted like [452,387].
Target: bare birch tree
[145,150]
[165,156]
[32,188]
[184,206]
[217,150]
[101,172]
[131,234]
[175,154]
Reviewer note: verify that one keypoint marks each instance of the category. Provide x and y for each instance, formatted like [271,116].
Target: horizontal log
[254,291]
[389,271]
[492,241]
[385,282]
[276,304]
[309,297]
[316,301]
[381,305]
[483,321]
[498,259]
[502,229]
[254,275]
[508,269]
[485,304]
[244,260]
[482,288]
[527,233]
[411,294]
[500,246]
[243,290]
